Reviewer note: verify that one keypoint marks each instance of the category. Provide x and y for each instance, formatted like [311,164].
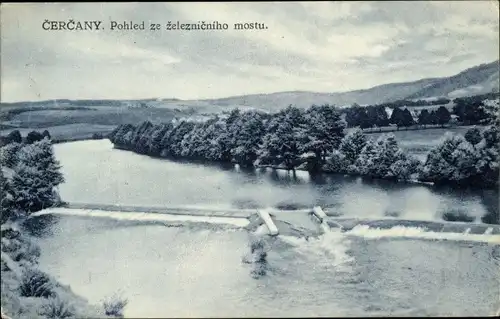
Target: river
[198,272]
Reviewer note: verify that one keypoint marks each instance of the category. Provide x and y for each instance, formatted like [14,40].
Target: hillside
[477,80]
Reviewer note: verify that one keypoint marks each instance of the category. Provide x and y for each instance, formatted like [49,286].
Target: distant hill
[477,80]
[473,81]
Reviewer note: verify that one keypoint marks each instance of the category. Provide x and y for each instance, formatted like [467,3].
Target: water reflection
[97,173]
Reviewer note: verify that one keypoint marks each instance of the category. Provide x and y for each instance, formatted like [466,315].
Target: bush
[97,136]
[336,162]
[114,306]
[9,154]
[57,308]
[36,284]
[33,137]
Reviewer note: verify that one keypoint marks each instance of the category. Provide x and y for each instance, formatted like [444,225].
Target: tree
[454,160]
[14,137]
[380,116]
[159,132]
[397,117]
[33,137]
[323,131]
[46,134]
[248,138]
[5,199]
[488,153]
[407,118]
[351,117]
[352,145]
[443,115]
[384,159]
[356,116]
[424,117]
[282,142]
[35,177]
[365,162]
[473,136]
[364,119]
[31,191]
[470,110]
[9,154]
[433,117]
[41,155]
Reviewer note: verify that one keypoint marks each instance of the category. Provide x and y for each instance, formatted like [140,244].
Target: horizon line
[240,95]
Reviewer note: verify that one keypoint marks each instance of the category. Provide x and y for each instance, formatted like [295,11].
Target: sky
[307,46]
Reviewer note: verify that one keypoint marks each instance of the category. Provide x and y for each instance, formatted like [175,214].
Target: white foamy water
[331,246]
[367,232]
[142,216]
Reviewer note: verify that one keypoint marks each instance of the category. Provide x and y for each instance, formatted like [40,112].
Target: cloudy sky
[314,46]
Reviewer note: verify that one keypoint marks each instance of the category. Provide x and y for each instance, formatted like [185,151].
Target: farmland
[74,123]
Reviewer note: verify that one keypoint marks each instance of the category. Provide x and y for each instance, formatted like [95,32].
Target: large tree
[443,115]
[424,117]
[282,144]
[36,177]
[397,117]
[323,131]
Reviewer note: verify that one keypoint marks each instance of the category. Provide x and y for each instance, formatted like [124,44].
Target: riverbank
[30,293]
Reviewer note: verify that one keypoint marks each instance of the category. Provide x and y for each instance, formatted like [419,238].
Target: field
[419,142]
[69,132]
[75,123]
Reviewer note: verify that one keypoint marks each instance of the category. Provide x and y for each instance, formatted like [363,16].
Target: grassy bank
[28,180]
[30,293]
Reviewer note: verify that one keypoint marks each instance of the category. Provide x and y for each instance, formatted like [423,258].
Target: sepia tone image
[249,159]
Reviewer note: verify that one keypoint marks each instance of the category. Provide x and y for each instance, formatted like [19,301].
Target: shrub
[113,306]
[9,154]
[336,162]
[58,308]
[97,136]
[36,284]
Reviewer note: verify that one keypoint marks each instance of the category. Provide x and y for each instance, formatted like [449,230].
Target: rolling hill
[476,80]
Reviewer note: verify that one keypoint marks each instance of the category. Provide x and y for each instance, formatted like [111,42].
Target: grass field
[104,116]
[419,142]
[70,132]
[76,123]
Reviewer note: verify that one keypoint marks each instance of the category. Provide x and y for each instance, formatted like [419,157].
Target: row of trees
[367,117]
[381,158]
[31,137]
[410,103]
[314,139]
[468,110]
[242,137]
[34,175]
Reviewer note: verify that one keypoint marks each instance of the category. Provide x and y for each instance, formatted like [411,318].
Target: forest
[315,140]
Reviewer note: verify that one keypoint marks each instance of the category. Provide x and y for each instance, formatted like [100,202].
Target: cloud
[316,46]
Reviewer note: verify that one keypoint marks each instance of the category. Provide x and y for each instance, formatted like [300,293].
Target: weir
[287,222]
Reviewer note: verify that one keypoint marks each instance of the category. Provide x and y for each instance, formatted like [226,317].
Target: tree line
[314,139]
[468,111]
[31,137]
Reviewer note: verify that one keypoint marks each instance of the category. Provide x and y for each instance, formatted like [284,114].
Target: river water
[198,271]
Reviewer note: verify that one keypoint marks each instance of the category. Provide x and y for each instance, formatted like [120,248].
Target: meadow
[70,123]
[419,142]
